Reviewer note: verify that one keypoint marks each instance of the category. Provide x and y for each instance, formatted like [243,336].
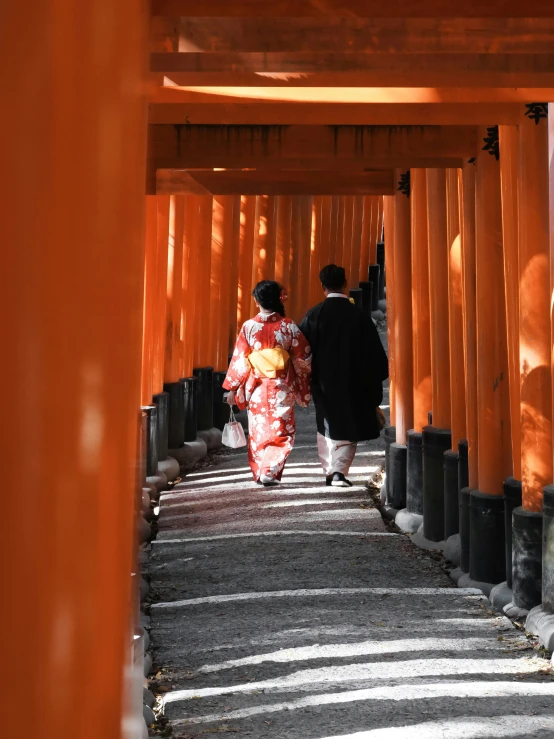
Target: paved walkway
[292,613]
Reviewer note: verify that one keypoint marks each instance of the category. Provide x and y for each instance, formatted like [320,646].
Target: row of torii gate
[142,200]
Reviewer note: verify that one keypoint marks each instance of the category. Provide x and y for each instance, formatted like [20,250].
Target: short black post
[512,500]
[451,498]
[190,404]
[465,497]
[396,483]
[373,276]
[548,549]
[526,558]
[414,484]
[390,438]
[357,296]
[162,401]
[151,412]
[435,443]
[205,397]
[221,409]
[381,263]
[487,561]
[176,423]
[367,296]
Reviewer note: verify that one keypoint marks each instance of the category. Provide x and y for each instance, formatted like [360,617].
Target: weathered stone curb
[500,596]
[452,549]
[541,623]
[189,454]
[408,522]
[211,437]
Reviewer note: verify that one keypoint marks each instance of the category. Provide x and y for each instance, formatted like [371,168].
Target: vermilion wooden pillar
[294,270]
[72,274]
[508,140]
[347,235]
[487,561]
[222,243]
[535,307]
[436,438]
[334,229]
[366,230]
[190,273]
[325,240]
[282,254]
[374,231]
[305,242]
[158,349]
[339,242]
[355,256]
[420,301]
[469,307]
[151,240]
[172,366]
[234,272]
[202,348]
[315,250]
[247,229]
[403,316]
[388,204]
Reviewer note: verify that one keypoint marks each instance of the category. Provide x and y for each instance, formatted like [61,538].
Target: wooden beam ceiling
[308,147]
[356,114]
[352,8]
[259,182]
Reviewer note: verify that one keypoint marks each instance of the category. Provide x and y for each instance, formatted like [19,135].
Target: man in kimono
[349,366]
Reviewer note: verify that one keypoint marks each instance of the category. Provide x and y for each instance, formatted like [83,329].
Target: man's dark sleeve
[305,327]
[378,355]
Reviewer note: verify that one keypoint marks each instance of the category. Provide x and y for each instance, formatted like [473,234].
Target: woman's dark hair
[268,295]
[333,277]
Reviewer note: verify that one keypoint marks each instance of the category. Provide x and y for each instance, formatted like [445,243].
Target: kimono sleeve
[239,369]
[301,358]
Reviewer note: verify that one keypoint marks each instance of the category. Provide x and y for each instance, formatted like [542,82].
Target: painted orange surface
[403,316]
[421,330]
[203,349]
[469,308]
[438,296]
[508,138]
[535,306]
[173,345]
[389,207]
[151,247]
[158,349]
[455,310]
[493,399]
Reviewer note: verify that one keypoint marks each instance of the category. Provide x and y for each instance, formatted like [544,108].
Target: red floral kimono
[270,399]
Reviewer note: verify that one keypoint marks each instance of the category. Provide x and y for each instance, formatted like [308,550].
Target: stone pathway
[291,613]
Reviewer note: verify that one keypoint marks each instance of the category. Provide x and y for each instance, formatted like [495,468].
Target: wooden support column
[366,232]
[438,296]
[355,256]
[172,367]
[388,205]
[151,240]
[347,234]
[315,250]
[158,348]
[487,558]
[535,307]
[334,229]
[294,271]
[234,272]
[325,241]
[202,348]
[508,144]
[339,242]
[373,233]
[190,272]
[420,301]
[222,240]
[282,253]
[436,437]
[72,288]
[455,312]
[246,253]
[305,241]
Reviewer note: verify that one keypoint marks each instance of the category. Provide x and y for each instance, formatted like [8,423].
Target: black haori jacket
[349,366]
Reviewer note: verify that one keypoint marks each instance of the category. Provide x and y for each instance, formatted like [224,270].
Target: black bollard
[435,443]
[451,498]
[512,500]
[414,484]
[176,421]
[465,497]
[357,296]
[463,467]
[526,558]
[367,296]
[162,401]
[381,263]
[190,405]
[151,412]
[373,277]
[221,409]
[487,560]
[396,483]
[205,396]
[390,438]
[548,549]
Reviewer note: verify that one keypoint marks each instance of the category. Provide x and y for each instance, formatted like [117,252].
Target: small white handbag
[233,433]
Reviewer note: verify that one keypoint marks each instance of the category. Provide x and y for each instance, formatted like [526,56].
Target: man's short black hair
[333,278]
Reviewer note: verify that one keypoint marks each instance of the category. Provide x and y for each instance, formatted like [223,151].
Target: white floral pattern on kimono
[270,402]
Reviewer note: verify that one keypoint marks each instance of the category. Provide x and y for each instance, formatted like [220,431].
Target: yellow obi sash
[269,361]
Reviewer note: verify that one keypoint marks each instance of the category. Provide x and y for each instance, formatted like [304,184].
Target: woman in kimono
[270,370]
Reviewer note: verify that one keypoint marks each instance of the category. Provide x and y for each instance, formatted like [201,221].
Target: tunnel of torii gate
[155,167]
